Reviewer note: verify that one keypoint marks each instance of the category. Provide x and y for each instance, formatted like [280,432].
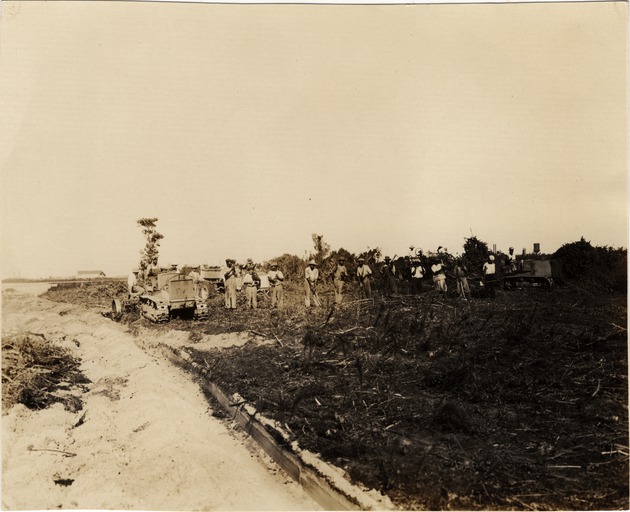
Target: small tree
[322,249]
[292,266]
[150,252]
[475,254]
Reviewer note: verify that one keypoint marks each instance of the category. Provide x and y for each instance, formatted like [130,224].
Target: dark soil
[514,403]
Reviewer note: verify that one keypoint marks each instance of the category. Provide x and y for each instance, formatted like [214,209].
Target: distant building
[87,274]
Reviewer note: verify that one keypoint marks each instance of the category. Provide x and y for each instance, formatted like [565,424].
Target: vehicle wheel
[117,309]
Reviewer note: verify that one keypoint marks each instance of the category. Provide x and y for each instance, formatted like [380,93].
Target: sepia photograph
[314,256]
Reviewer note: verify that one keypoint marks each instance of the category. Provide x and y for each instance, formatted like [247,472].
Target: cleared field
[515,403]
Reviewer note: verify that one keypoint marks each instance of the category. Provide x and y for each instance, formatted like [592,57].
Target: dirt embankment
[144,437]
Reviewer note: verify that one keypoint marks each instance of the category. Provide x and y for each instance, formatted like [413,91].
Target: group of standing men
[251,283]
[390,275]
[416,272]
[489,279]
[339,277]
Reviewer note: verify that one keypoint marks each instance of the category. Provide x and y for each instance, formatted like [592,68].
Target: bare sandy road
[148,439]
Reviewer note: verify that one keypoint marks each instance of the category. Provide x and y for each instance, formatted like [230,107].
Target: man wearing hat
[339,276]
[132,283]
[363,275]
[512,259]
[276,277]
[461,274]
[439,276]
[417,275]
[152,269]
[229,279]
[311,275]
[390,287]
[251,282]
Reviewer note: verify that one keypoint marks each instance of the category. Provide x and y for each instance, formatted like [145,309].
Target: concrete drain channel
[323,482]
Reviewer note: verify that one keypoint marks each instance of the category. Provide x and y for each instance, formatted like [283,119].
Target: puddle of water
[31,288]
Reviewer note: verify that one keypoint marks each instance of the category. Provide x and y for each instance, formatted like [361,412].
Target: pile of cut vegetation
[38,372]
[95,294]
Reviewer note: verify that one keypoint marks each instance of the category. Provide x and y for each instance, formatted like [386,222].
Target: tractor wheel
[117,309]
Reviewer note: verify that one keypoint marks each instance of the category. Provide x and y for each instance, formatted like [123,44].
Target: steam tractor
[167,293]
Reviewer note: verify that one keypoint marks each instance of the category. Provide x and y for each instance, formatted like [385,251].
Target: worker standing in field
[229,279]
[439,277]
[417,275]
[311,275]
[388,271]
[276,277]
[512,259]
[364,273]
[461,274]
[489,277]
[251,282]
[339,277]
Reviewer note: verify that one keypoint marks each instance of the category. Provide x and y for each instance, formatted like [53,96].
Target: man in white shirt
[339,277]
[276,277]
[197,281]
[439,277]
[251,282]
[229,278]
[132,283]
[489,278]
[417,274]
[364,273]
[311,275]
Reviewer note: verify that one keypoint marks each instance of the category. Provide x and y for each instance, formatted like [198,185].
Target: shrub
[291,266]
[604,265]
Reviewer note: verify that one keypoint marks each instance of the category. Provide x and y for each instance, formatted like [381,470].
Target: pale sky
[246,128]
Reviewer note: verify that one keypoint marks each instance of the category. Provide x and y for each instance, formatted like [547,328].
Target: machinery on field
[165,294]
[213,276]
[533,273]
